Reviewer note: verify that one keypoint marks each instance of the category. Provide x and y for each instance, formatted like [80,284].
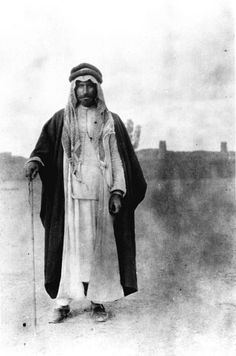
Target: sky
[167,65]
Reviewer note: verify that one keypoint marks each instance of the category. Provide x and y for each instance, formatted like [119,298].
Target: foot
[99,313]
[60,314]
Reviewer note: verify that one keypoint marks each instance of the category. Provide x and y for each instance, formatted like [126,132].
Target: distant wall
[164,164]
[11,167]
[156,163]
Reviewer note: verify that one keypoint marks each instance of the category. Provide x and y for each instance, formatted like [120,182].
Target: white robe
[82,197]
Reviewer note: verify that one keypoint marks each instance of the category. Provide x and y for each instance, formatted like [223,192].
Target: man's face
[86,92]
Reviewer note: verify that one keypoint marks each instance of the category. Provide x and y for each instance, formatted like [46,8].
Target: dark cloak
[49,149]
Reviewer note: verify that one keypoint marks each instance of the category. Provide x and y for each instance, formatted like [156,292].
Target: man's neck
[87,107]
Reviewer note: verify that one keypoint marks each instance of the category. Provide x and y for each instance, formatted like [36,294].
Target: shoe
[60,314]
[99,313]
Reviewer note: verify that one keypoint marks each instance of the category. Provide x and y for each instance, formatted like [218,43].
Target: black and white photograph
[117,178]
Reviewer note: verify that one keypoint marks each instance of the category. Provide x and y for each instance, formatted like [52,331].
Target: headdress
[70,134]
[85,69]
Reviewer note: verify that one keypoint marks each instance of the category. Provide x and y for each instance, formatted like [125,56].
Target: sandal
[60,314]
[99,313]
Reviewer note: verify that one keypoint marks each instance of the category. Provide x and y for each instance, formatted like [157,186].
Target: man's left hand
[115,203]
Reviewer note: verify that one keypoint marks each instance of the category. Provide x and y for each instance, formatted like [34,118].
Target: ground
[186,304]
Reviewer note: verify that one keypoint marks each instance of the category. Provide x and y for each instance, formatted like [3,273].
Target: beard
[87,101]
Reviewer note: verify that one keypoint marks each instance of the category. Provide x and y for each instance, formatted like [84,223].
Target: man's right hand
[31,169]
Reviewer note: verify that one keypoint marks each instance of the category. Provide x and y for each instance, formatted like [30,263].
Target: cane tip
[24,325]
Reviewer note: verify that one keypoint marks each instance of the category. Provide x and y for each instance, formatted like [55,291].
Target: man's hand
[31,169]
[115,203]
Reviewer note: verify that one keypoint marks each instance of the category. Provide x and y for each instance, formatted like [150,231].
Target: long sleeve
[42,149]
[35,158]
[118,176]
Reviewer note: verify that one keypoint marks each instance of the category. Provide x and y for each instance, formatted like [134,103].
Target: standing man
[91,184]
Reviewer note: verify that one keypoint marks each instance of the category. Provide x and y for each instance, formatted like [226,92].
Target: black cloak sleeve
[135,180]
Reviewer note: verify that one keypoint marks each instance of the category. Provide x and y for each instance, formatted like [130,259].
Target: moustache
[86,96]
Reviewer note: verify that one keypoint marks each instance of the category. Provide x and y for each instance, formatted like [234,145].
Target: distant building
[187,165]
[162,150]
[156,163]
[11,167]
[223,147]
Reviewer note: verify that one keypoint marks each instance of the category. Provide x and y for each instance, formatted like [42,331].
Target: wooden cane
[31,201]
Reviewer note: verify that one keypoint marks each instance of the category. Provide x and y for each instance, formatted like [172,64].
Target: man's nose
[85,89]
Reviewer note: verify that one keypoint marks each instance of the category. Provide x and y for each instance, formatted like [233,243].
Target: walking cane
[31,201]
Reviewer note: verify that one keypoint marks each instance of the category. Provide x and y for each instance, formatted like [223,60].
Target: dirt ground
[186,304]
